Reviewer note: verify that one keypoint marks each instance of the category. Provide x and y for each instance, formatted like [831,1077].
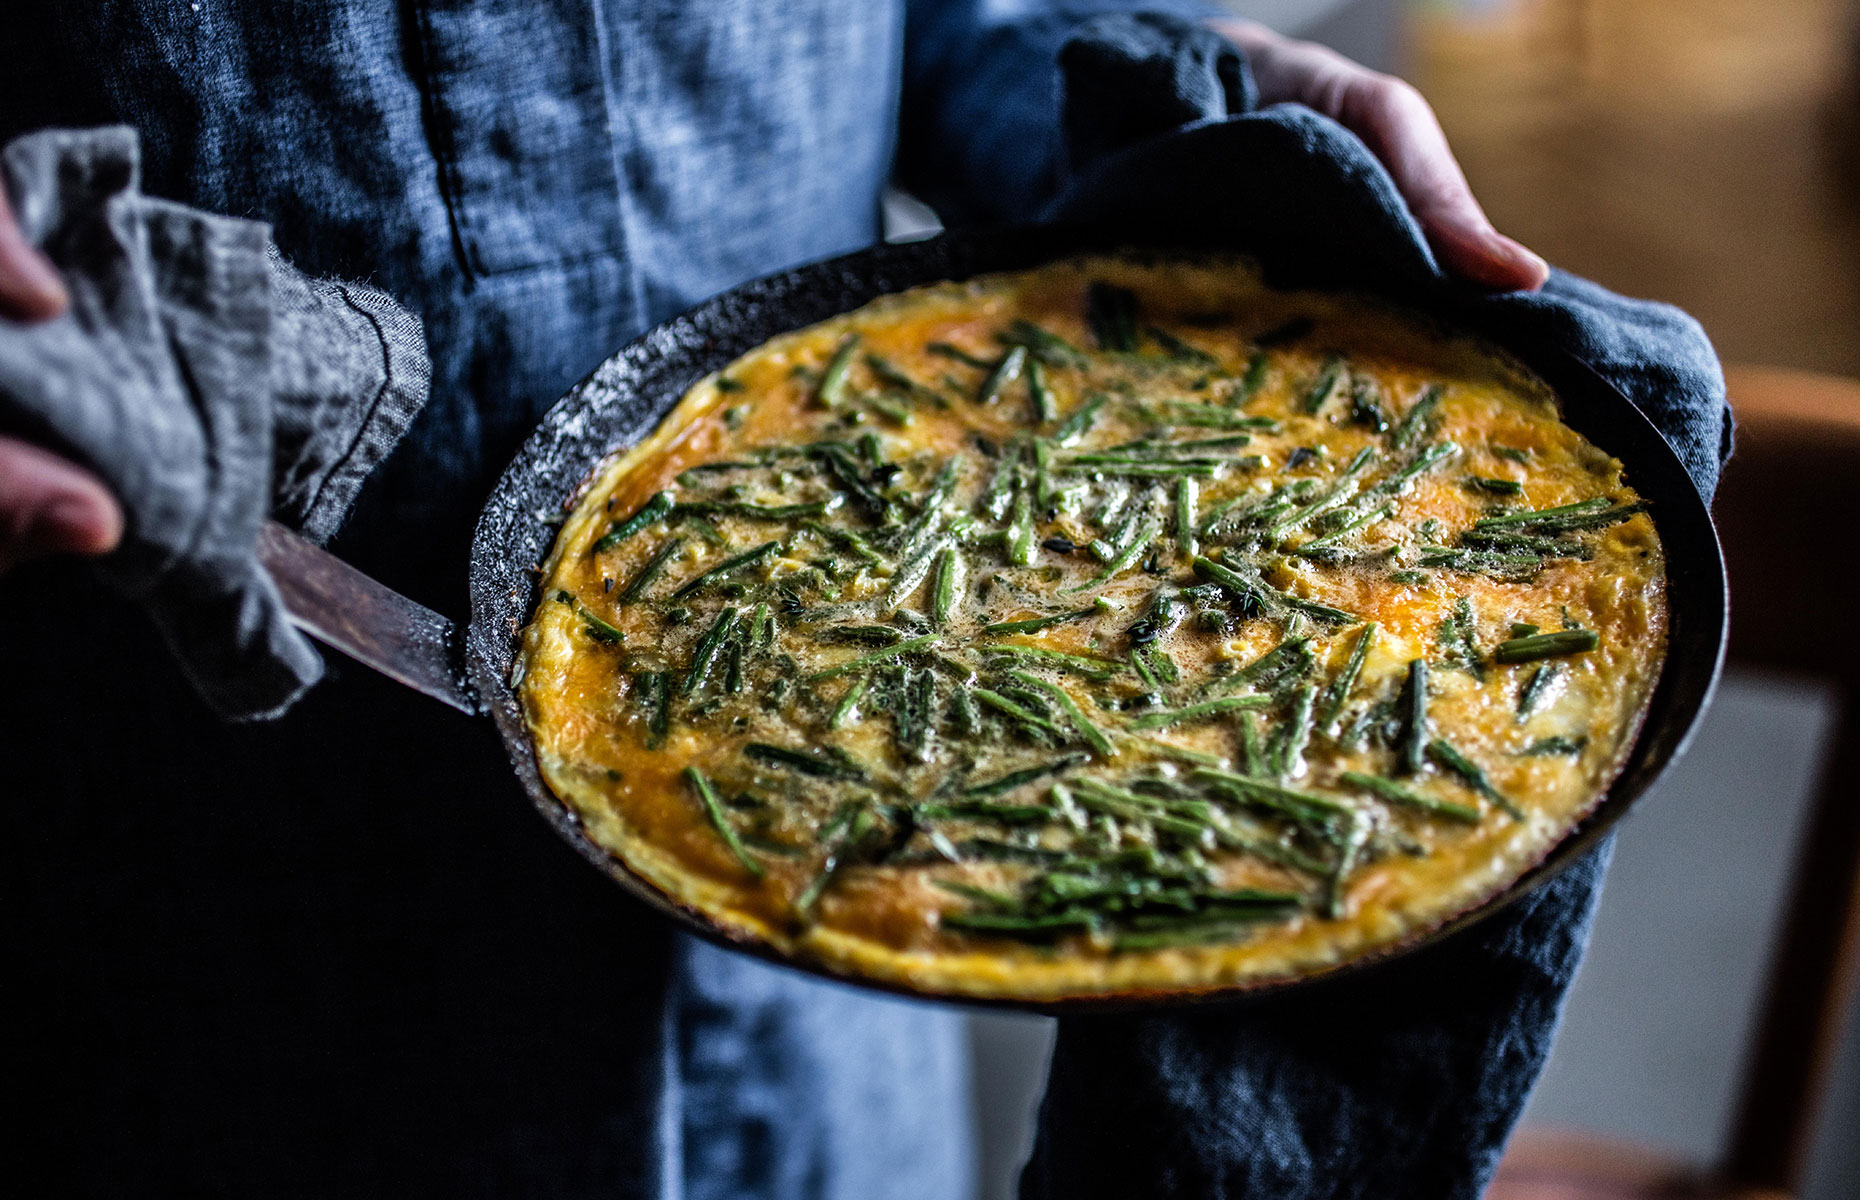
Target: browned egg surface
[1110,627]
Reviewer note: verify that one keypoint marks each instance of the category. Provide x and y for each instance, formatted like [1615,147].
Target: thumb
[1399,127]
[30,289]
[49,506]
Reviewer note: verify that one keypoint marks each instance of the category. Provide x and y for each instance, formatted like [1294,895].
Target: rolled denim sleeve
[983,137]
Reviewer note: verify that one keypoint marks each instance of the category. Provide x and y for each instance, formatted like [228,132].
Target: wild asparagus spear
[1252,753]
[728,566]
[1418,730]
[1320,547]
[849,702]
[820,766]
[1297,733]
[832,387]
[599,629]
[651,570]
[1042,396]
[1547,645]
[1350,846]
[1541,683]
[1207,710]
[1013,779]
[1020,544]
[1414,423]
[1251,381]
[754,512]
[948,585]
[1045,345]
[706,653]
[1126,558]
[1086,665]
[1186,539]
[1094,736]
[1395,793]
[1338,693]
[908,646]
[1324,385]
[1035,624]
[1444,753]
[714,811]
[652,510]
[1112,313]
[1006,371]
[1075,425]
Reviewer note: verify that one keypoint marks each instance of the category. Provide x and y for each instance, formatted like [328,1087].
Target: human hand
[48,505]
[1399,127]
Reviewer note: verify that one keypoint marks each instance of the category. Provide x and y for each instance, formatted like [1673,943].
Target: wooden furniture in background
[1786,514]
[1686,150]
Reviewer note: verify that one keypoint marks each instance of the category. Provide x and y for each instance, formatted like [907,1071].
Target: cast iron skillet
[627,395]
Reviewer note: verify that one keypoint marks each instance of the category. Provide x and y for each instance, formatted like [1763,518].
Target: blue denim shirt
[340,957]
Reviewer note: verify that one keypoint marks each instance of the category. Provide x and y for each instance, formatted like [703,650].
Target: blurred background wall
[1706,153]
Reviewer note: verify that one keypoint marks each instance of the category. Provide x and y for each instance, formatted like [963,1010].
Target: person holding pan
[327,955]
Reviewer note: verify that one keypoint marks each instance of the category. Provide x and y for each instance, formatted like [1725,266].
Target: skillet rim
[627,395]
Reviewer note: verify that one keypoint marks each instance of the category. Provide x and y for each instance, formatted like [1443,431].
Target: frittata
[1113,627]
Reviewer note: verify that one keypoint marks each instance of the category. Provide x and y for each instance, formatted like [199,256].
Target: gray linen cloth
[208,383]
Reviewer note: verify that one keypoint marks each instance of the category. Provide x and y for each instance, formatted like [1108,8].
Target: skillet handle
[373,624]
